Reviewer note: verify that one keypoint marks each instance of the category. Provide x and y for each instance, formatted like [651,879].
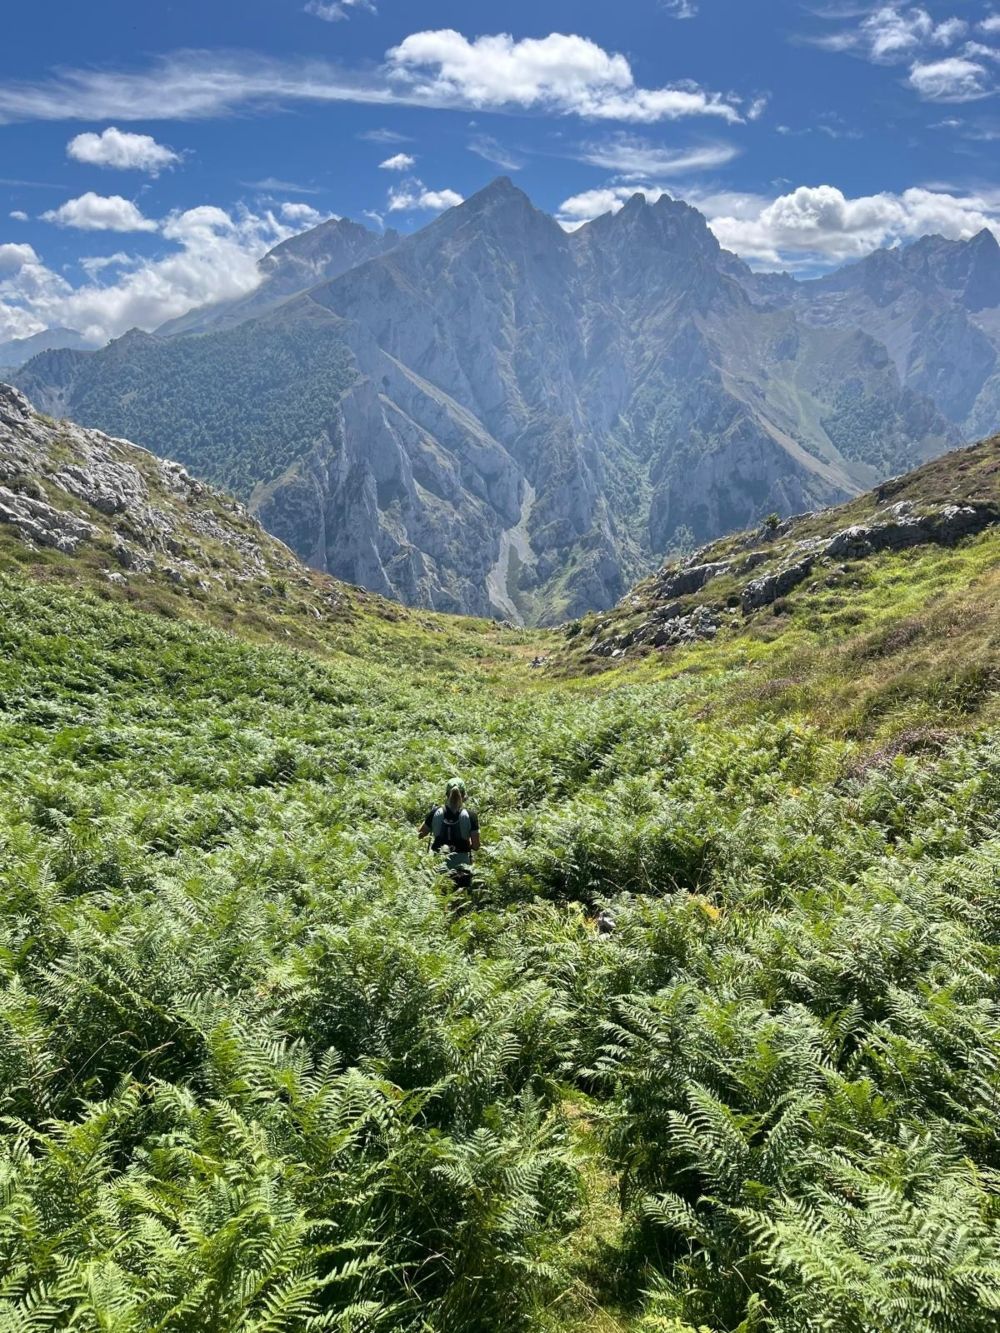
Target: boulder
[763,591]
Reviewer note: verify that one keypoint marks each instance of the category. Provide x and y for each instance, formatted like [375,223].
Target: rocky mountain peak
[666,225]
[970,269]
[501,190]
[499,208]
[330,243]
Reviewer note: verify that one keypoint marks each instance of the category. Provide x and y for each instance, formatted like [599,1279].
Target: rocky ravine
[139,518]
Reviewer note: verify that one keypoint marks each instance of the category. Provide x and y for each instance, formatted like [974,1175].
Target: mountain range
[498,417]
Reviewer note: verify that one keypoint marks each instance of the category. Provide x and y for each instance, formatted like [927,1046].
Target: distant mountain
[497,417]
[312,256]
[19,350]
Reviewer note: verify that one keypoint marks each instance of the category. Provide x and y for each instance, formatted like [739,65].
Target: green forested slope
[260,1070]
[237,407]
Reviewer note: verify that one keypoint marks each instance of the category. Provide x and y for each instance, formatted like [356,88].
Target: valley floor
[261,1070]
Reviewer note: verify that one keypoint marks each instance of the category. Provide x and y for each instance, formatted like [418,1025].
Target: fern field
[260,1069]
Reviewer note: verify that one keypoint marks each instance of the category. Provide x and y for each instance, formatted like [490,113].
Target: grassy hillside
[261,1069]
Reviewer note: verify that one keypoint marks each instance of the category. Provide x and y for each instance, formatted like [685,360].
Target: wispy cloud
[636,158]
[384,136]
[680,9]
[890,34]
[492,150]
[333,11]
[30,185]
[560,74]
[284,187]
[944,66]
[954,79]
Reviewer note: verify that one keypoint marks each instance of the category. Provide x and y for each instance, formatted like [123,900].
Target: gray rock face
[532,419]
[942,527]
[42,523]
[63,487]
[763,591]
[671,631]
[690,578]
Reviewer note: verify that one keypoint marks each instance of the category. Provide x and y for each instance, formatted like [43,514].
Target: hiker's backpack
[451,829]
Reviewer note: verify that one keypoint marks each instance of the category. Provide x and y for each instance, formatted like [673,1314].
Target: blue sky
[150,153]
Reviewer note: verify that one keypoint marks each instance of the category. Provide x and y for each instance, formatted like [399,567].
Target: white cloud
[213,256]
[99,212]
[122,150]
[332,11]
[953,79]
[94,264]
[413,196]
[758,106]
[285,187]
[680,9]
[18,215]
[949,32]
[375,217]
[491,150]
[990,24]
[562,73]
[399,162]
[821,225]
[302,215]
[384,136]
[893,33]
[14,256]
[637,158]
[25,281]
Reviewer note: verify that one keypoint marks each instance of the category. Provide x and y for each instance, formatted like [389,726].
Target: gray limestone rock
[767,589]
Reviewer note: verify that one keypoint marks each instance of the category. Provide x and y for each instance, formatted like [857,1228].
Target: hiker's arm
[423,830]
[474,840]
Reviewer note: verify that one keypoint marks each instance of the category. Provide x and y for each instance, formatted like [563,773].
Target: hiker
[454,830]
[605,923]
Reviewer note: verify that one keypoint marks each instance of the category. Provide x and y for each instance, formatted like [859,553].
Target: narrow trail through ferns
[259,1071]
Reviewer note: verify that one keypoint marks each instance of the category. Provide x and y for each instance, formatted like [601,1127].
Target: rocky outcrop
[66,488]
[42,523]
[689,578]
[767,589]
[711,588]
[942,527]
[670,631]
